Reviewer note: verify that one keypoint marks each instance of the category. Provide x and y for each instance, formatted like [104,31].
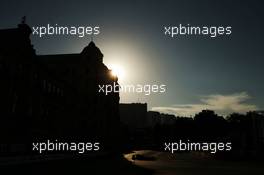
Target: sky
[224,74]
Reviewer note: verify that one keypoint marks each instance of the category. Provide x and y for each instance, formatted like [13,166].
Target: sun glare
[117,71]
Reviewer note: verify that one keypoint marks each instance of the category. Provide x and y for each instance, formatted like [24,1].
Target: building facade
[53,96]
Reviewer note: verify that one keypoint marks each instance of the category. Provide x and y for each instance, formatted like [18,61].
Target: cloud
[221,104]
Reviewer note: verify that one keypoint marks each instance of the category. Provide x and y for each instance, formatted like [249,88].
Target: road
[194,164]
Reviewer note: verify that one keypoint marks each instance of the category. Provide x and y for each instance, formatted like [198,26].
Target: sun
[117,71]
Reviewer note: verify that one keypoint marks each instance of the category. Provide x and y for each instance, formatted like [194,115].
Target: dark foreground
[78,166]
[156,163]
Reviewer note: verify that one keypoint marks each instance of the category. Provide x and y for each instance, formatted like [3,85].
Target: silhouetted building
[153,118]
[167,119]
[133,115]
[254,136]
[156,118]
[53,96]
[247,133]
